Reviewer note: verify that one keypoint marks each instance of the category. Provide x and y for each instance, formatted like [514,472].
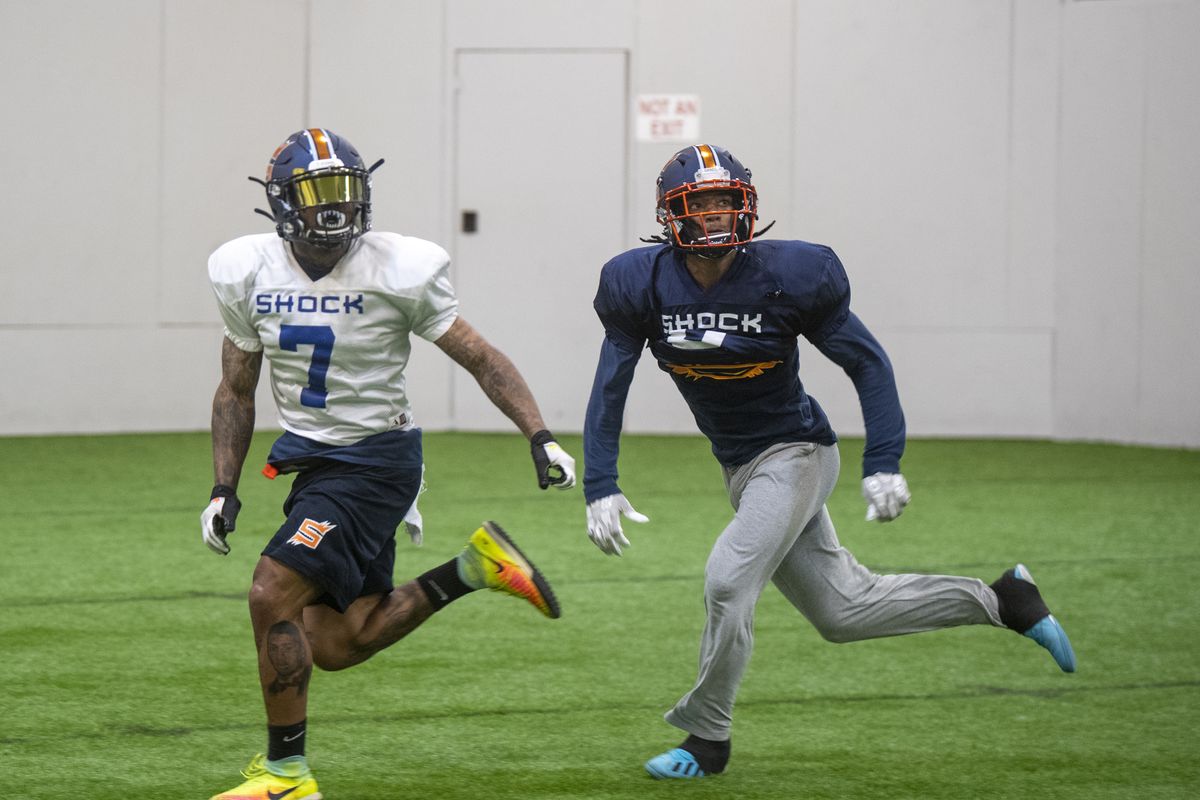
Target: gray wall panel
[82,138]
[1100,201]
[230,96]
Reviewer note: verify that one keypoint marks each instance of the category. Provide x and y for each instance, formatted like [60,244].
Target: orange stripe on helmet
[707,157]
[321,142]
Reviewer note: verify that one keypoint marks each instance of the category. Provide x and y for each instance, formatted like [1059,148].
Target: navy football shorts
[341,525]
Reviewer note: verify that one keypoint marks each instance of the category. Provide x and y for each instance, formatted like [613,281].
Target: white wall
[1013,186]
[1127,281]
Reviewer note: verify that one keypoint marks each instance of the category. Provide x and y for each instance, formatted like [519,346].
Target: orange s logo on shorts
[310,533]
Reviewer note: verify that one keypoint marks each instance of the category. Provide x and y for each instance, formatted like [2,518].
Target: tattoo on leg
[288,653]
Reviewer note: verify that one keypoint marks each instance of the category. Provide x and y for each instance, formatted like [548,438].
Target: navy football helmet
[694,219]
[319,189]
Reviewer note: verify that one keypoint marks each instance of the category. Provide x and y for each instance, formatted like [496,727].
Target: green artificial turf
[128,671]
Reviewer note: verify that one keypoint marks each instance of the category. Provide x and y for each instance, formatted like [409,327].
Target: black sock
[711,755]
[285,741]
[442,585]
[1020,603]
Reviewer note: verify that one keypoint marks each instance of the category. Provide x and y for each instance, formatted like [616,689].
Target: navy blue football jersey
[732,351]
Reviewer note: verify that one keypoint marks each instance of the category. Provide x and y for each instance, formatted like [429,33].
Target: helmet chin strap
[702,245]
[327,244]
[709,254]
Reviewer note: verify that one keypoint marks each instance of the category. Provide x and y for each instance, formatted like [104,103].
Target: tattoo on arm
[233,411]
[287,650]
[495,373]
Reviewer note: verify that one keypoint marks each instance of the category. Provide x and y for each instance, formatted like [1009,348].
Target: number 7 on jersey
[321,338]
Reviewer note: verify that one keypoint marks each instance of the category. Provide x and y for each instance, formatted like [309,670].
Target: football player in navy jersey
[331,304]
[721,312]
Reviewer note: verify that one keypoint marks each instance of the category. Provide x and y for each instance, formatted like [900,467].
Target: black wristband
[221,490]
[541,437]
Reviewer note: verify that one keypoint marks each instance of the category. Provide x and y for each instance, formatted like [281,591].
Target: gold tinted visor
[320,190]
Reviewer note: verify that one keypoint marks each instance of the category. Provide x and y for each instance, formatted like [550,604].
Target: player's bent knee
[265,597]
[277,587]
[837,635]
[260,597]
[834,629]
[722,591]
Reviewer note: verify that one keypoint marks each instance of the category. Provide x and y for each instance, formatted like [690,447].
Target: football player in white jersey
[331,305]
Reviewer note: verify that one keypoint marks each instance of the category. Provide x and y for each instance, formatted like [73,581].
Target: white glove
[604,522]
[548,459]
[212,525]
[413,524]
[886,494]
[559,458]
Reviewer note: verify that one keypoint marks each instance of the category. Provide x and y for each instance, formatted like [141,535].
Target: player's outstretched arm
[504,386]
[232,429]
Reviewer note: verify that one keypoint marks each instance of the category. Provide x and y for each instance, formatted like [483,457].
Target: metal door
[540,190]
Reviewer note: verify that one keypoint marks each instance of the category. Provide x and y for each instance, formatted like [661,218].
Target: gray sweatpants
[781,532]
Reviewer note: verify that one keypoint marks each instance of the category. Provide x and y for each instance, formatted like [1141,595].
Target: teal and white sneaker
[1023,610]
[677,763]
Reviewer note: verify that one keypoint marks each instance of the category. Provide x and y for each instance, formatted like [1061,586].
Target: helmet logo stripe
[322,147]
[707,157]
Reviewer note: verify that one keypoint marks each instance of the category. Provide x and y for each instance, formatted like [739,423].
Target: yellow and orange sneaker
[261,784]
[491,560]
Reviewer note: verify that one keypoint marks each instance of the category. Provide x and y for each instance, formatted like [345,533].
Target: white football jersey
[337,347]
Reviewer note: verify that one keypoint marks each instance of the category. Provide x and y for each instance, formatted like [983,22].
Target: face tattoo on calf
[285,649]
